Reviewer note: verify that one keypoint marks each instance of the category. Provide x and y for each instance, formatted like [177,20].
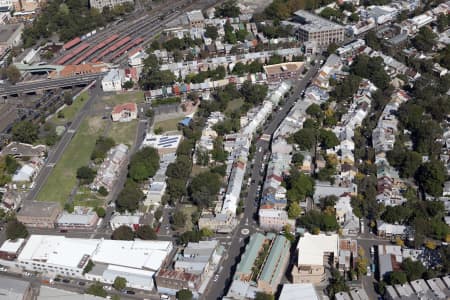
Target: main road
[218,289]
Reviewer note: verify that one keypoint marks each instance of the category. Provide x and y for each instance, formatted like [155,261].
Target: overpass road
[48,84]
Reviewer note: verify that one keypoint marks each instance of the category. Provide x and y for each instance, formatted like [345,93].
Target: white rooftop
[299,291]
[59,250]
[311,248]
[11,246]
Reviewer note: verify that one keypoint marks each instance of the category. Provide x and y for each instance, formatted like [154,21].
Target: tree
[11,164]
[181,168]
[305,138]
[332,48]
[69,207]
[102,146]
[129,198]
[144,164]
[396,277]
[253,93]
[120,283]
[25,132]
[103,191]
[85,174]
[13,74]
[129,84]
[218,153]
[123,233]
[145,232]
[68,98]
[337,283]
[431,177]
[361,262]
[15,230]
[88,267]
[299,186]
[204,188]
[315,111]
[211,32]
[264,296]
[96,289]
[425,39]
[184,295]
[328,139]
[294,210]
[158,214]
[228,9]
[414,269]
[179,219]
[206,232]
[297,159]
[100,211]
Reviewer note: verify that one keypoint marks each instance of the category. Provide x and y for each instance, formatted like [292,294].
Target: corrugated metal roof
[250,254]
[272,267]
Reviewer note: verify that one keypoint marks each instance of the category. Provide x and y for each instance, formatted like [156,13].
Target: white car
[216,277]
[369,272]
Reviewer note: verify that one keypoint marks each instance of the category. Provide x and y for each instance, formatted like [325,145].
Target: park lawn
[168,125]
[63,179]
[69,112]
[124,132]
[235,104]
[120,98]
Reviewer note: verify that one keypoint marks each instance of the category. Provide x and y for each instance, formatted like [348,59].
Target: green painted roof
[272,268]
[250,254]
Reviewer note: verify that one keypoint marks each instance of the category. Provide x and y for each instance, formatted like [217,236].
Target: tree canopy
[16,230]
[204,188]
[431,177]
[124,233]
[129,198]
[184,295]
[120,283]
[146,232]
[25,132]
[144,164]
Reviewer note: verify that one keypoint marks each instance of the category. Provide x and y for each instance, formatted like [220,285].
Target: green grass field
[63,177]
[124,133]
[168,125]
[69,112]
[135,96]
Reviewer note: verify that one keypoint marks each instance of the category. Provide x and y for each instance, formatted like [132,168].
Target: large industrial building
[137,261]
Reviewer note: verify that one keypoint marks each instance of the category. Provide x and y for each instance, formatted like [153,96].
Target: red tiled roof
[127,106]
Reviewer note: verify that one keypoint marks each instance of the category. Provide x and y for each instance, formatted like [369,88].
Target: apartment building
[313,28]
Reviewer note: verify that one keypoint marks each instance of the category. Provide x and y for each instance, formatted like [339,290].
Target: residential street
[218,289]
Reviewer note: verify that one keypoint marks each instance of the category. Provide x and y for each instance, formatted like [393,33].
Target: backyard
[63,179]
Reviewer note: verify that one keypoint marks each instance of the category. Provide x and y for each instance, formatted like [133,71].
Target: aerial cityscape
[224,149]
